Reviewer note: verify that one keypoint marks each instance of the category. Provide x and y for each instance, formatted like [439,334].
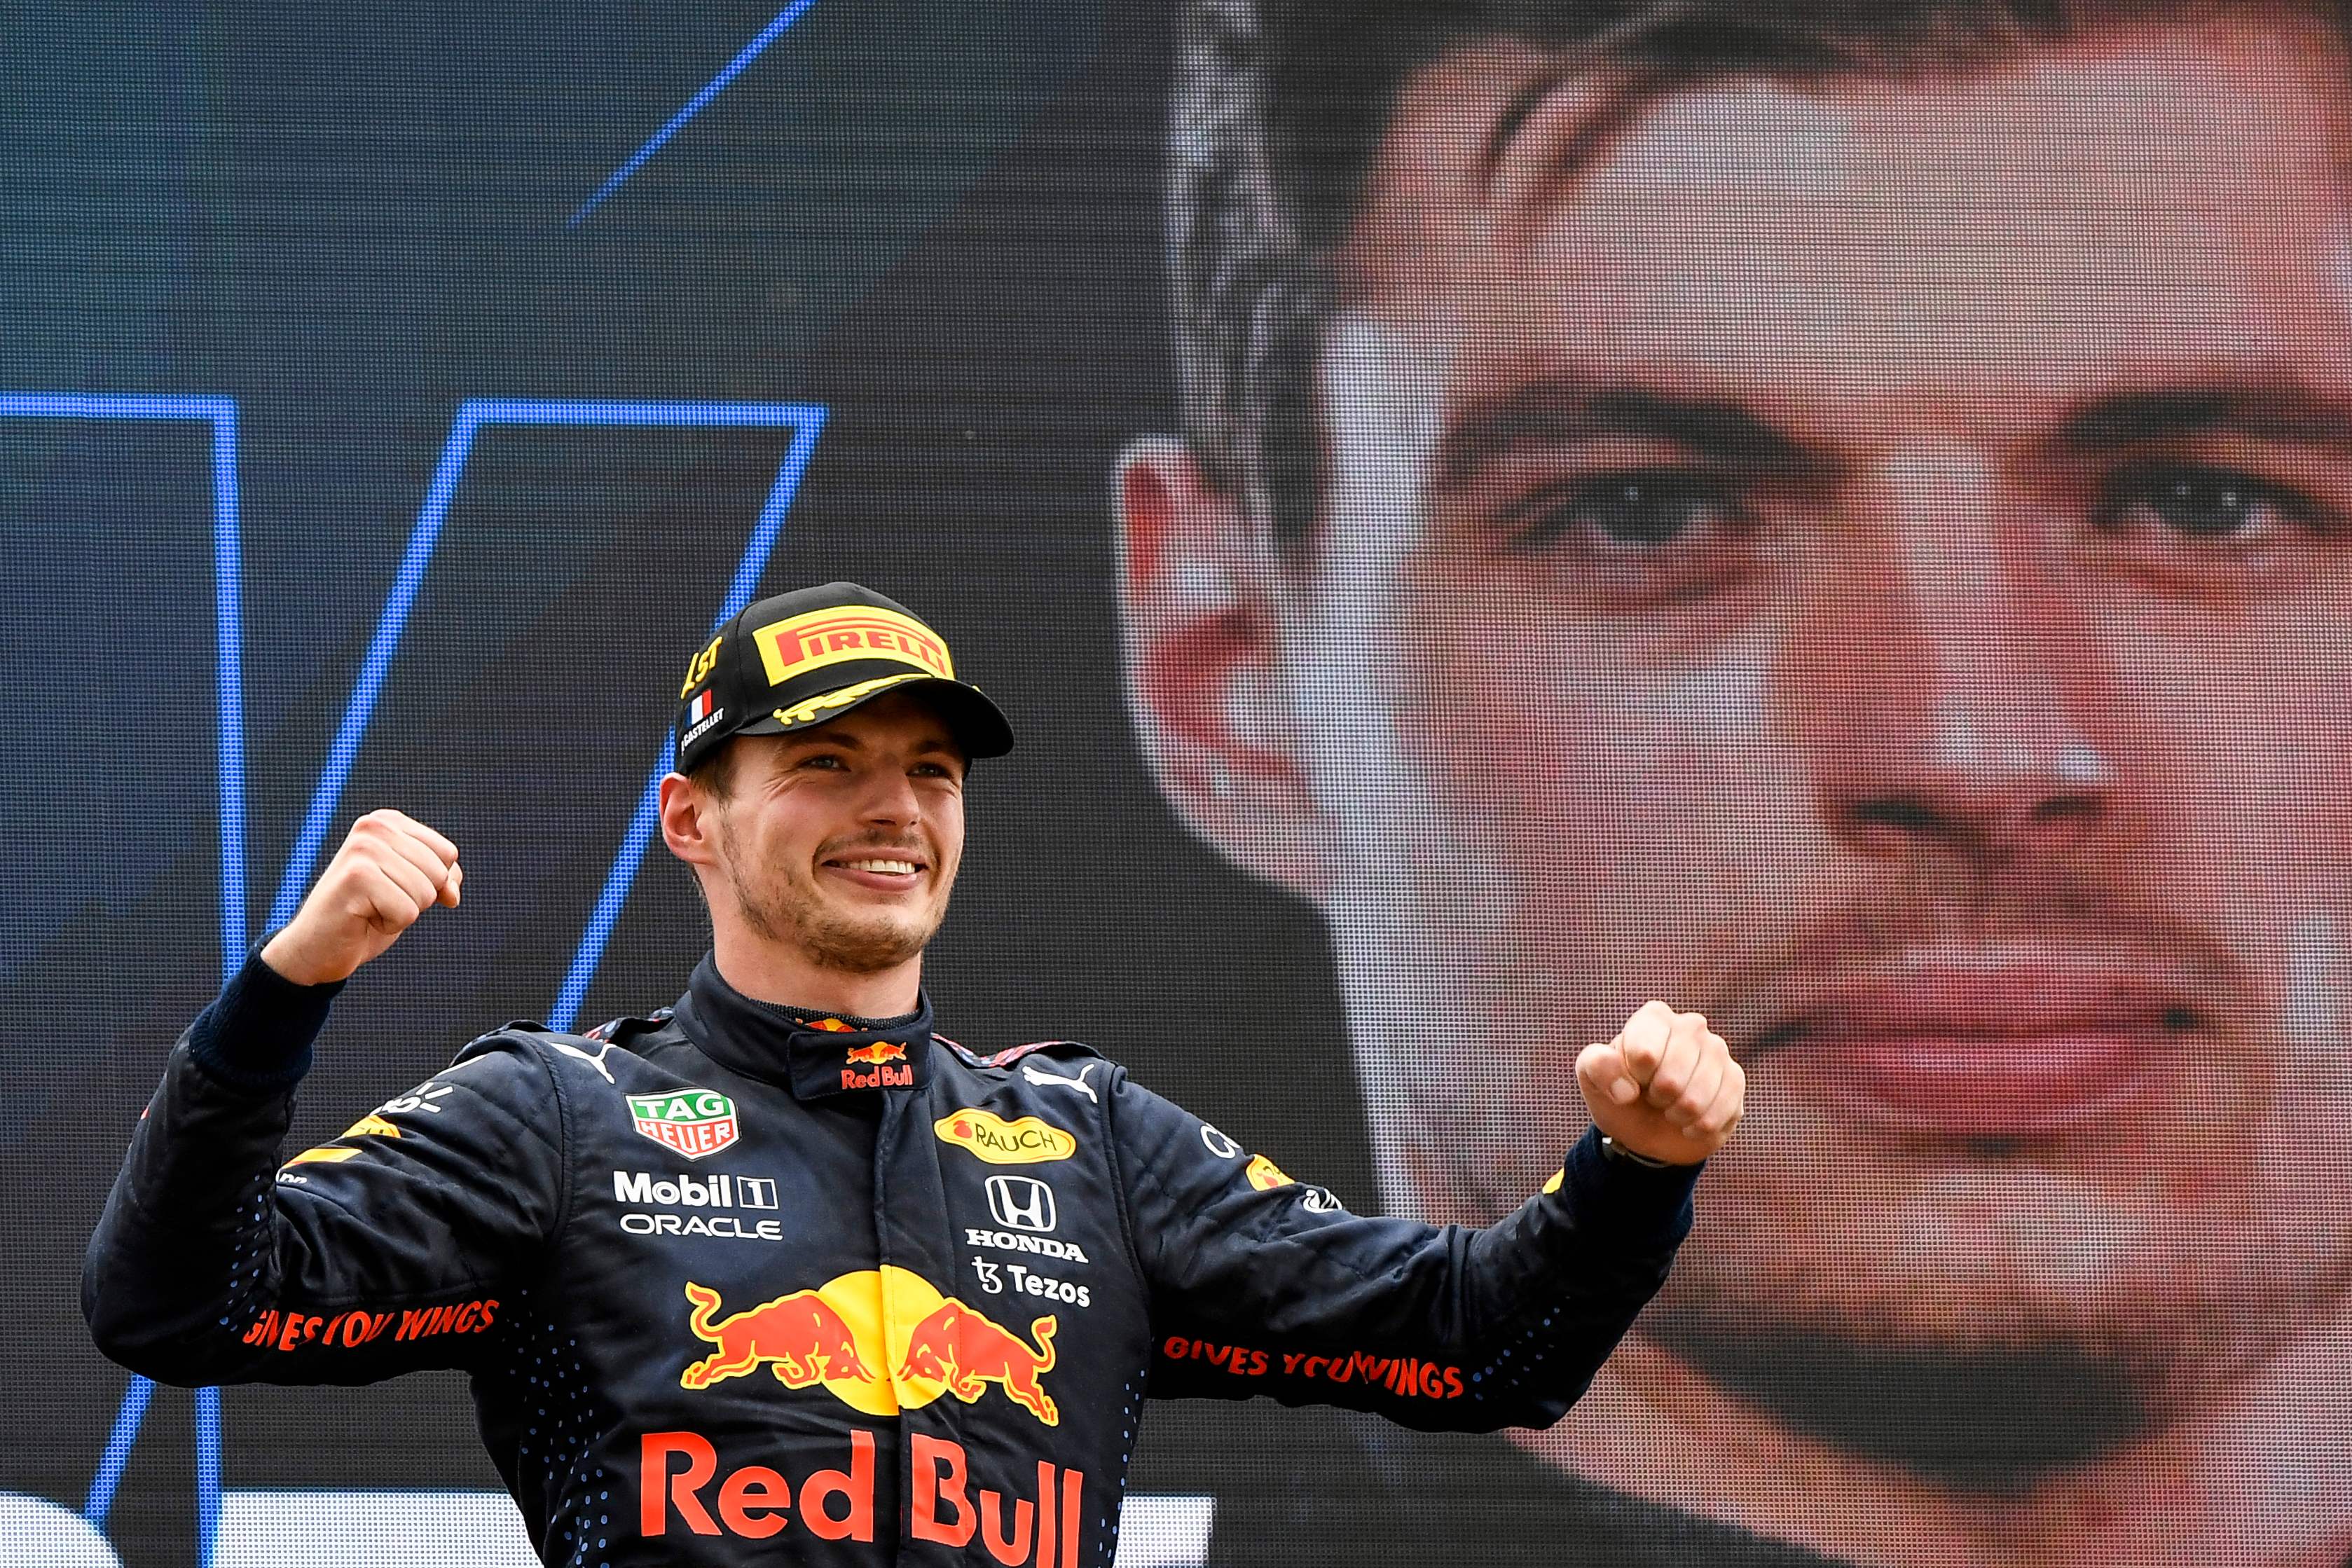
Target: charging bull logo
[800,1337]
[962,1349]
[878,1057]
[880,1341]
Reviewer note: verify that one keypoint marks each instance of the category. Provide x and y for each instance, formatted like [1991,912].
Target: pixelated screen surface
[1482,514]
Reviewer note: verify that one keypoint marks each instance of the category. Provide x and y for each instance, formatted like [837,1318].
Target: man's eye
[822,760]
[1622,511]
[2204,505]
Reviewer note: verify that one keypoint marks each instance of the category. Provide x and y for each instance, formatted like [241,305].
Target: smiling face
[1870,561]
[840,843]
[1879,573]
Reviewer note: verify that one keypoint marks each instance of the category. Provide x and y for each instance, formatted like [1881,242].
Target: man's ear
[1200,643]
[686,821]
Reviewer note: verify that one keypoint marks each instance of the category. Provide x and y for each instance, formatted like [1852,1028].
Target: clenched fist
[390,870]
[1666,1087]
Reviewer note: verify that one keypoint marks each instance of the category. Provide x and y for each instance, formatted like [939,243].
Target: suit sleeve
[393,1246]
[1262,1286]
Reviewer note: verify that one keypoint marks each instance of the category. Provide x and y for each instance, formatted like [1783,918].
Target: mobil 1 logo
[717,1204]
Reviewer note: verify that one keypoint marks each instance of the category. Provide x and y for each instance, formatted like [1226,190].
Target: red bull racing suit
[735,1284]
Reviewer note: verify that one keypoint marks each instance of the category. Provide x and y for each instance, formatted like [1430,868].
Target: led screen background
[480,354]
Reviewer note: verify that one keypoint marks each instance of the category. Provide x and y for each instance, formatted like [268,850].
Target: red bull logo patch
[693,1122]
[880,1341]
[962,1351]
[754,1501]
[800,1337]
[876,1059]
[943,1509]
[680,1486]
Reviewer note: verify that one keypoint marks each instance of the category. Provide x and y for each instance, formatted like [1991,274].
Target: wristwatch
[1612,1150]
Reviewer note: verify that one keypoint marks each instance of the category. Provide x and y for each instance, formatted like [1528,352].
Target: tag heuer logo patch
[694,1121]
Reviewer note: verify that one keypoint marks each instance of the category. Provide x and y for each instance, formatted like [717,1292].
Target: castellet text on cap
[799,660]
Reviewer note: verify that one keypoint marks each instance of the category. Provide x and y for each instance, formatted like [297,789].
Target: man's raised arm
[1262,1286]
[386,1248]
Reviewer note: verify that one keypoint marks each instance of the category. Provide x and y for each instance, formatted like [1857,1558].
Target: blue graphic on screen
[220,413]
[805,420]
[694,106]
[473,416]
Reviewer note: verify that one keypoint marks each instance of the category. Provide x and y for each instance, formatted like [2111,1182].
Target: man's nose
[889,797]
[1954,694]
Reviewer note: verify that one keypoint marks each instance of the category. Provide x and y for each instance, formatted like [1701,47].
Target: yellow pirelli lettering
[799,643]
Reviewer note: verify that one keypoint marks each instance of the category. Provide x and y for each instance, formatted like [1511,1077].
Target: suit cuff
[257,1034]
[1625,1197]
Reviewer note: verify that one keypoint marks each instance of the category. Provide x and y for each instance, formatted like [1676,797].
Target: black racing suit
[733,1285]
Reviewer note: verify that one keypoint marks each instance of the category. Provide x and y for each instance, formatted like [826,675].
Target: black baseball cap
[799,660]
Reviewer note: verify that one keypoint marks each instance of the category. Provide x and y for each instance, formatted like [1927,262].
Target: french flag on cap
[699,709]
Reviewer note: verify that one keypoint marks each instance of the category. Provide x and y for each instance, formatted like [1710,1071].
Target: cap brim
[978,726]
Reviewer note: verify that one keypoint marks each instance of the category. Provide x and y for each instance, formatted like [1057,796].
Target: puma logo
[1078,1083]
[596,1061]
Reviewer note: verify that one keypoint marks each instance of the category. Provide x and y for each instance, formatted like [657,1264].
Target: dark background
[937,219]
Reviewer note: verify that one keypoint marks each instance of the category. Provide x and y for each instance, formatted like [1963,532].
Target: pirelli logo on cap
[795,647]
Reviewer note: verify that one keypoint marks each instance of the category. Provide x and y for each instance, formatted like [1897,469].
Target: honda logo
[1022,1203]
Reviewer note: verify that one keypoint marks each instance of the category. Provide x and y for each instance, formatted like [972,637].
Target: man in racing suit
[778,1271]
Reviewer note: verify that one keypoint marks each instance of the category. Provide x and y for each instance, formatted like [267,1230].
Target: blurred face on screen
[1870,559]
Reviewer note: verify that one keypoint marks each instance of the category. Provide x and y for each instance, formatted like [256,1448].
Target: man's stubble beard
[788,909]
[1988,1384]
[1859,1295]
[1986,1315]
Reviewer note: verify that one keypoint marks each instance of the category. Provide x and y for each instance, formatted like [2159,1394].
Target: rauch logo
[1028,1142]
